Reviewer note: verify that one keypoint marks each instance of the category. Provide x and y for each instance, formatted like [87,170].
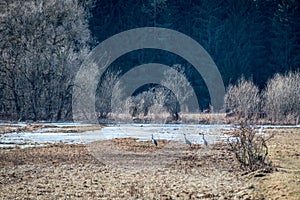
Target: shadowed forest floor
[126,169]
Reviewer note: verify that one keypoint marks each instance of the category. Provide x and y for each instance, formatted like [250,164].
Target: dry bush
[243,99]
[250,150]
[282,97]
[180,86]
[155,102]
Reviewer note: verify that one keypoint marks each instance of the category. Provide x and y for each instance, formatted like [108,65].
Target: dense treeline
[256,38]
[44,42]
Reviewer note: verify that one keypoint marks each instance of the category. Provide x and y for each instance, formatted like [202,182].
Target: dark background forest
[255,39]
[250,38]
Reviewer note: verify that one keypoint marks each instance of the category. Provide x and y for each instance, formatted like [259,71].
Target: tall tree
[43,44]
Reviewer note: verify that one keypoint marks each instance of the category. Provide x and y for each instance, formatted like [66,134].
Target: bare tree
[170,103]
[155,103]
[243,99]
[140,104]
[158,106]
[166,98]
[42,46]
[104,93]
[282,97]
[179,86]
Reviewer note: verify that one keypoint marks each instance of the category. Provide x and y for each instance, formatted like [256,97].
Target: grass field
[285,154]
[126,169]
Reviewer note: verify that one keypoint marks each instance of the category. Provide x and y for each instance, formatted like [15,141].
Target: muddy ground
[126,169]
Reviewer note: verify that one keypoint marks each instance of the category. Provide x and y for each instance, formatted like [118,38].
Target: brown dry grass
[70,172]
[205,118]
[170,171]
[36,126]
[187,118]
[75,129]
[285,154]
[29,128]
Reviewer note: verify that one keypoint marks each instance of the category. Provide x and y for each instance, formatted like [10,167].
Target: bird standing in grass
[203,138]
[187,141]
[154,141]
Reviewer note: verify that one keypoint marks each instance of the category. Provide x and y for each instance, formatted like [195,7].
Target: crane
[154,141]
[203,138]
[187,141]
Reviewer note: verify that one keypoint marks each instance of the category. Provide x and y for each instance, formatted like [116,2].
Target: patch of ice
[143,132]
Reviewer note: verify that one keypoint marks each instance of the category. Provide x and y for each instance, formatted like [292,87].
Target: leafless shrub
[282,97]
[159,101]
[243,99]
[141,103]
[177,83]
[155,102]
[166,102]
[250,150]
